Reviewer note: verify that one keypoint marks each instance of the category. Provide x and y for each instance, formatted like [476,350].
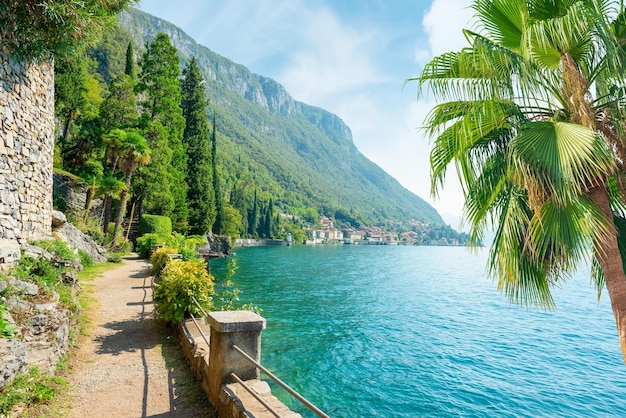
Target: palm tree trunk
[90,194]
[66,126]
[130,222]
[120,211]
[610,259]
[120,216]
[107,217]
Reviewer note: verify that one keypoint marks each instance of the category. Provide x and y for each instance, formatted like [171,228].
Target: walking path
[130,366]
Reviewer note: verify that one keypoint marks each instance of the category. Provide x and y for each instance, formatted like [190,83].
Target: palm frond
[568,33]
[520,277]
[503,20]
[563,158]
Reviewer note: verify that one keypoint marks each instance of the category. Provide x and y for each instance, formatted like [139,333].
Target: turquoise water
[370,331]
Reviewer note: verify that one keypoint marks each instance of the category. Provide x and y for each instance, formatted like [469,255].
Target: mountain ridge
[304,154]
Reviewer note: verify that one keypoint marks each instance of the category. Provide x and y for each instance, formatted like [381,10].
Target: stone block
[26,288]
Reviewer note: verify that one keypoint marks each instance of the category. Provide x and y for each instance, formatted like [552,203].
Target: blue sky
[350,57]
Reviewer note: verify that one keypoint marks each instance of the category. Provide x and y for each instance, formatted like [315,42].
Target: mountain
[300,155]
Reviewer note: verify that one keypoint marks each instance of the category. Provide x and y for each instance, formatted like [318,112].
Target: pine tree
[200,196]
[219,204]
[163,180]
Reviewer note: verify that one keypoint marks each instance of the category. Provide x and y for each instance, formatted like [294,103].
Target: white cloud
[333,59]
[443,24]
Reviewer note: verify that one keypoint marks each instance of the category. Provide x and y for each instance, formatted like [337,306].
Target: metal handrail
[255,395]
[269,374]
[282,384]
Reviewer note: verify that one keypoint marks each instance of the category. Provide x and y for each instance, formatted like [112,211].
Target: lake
[394,331]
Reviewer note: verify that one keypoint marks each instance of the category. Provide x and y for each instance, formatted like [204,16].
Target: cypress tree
[270,219]
[200,196]
[130,62]
[163,180]
[70,76]
[219,204]
[253,216]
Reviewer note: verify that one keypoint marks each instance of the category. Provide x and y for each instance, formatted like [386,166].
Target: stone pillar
[228,328]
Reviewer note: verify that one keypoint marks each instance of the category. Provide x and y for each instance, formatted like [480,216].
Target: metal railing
[269,374]
[282,384]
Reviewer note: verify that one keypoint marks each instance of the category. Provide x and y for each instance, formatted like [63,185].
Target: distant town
[421,233]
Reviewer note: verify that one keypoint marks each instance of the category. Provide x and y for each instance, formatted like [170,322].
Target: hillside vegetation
[278,161]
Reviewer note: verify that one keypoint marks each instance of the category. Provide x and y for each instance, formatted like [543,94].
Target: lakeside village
[421,233]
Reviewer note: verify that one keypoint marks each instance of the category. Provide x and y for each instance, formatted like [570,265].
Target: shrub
[187,245]
[154,224]
[180,281]
[160,258]
[146,243]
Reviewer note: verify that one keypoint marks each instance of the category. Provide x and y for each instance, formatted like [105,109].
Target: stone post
[228,328]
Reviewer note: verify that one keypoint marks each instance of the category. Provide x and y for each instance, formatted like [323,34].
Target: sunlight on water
[366,331]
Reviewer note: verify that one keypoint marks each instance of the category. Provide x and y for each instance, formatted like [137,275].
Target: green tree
[253,217]
[129,70]
[200,196]
[160,86]
[135,152]
[532,118]
[111,188]
[34,29]
[232,222]
[119,108]
[70,78]
[219,202]
[153,180]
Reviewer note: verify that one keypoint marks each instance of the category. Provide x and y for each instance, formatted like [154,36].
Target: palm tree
[111,188]
[135,152]
[531,116]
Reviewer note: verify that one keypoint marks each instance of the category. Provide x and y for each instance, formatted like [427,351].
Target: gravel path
[129,366]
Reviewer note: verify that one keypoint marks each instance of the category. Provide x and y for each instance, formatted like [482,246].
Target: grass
[29,389]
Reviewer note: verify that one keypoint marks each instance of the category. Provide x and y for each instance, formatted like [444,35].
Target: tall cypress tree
[219,204]
[130,61]
[253,217]
[163,180]
[70,75]
[200,196]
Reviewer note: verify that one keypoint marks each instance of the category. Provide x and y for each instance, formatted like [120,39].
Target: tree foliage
[531,116]
[217,190]
[34,29]
[200,195]
[163,117]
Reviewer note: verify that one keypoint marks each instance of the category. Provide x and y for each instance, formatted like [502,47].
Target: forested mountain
[299,155]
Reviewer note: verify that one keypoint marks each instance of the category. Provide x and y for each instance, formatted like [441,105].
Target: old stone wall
[26,151]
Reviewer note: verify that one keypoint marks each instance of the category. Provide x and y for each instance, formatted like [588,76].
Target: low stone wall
[234,400]
[248,242]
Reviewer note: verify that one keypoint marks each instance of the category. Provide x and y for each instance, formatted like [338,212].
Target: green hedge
[155,224]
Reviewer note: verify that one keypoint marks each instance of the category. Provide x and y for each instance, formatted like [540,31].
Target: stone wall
[26,150]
